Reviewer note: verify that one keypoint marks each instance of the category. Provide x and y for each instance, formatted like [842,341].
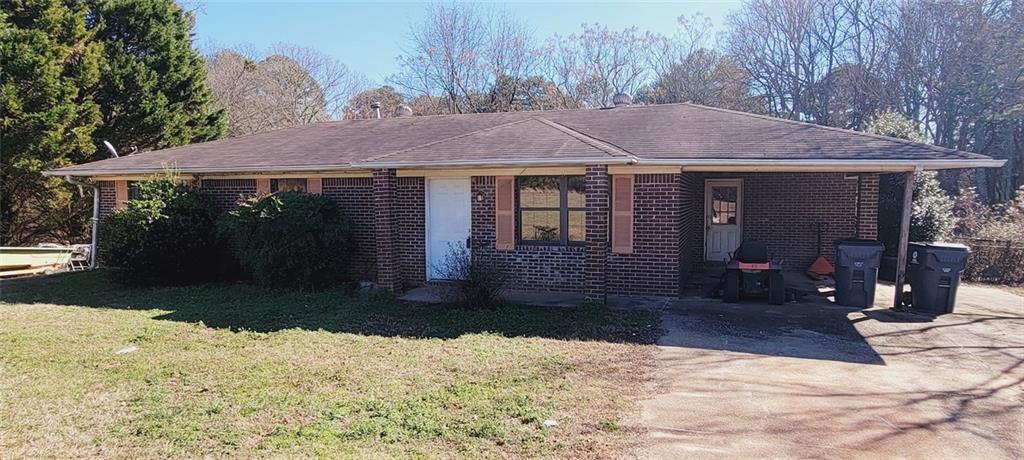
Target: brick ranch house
[627,200]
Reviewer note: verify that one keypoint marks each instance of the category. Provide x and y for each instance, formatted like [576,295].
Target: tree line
[74,73]
[956,69]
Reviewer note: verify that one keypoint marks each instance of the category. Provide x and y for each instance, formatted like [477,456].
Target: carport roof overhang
[621,164]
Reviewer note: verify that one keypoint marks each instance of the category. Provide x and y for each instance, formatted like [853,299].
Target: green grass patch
[227,369]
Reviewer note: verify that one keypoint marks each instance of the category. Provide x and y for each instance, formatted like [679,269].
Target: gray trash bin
[933,272]
[857,263]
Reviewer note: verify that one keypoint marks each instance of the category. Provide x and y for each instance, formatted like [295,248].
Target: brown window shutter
[262,186]
[120,194]
[622,214]
[314,185]
[505,213]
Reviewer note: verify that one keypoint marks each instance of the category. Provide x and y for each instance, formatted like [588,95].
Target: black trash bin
[857,263]
[933,272]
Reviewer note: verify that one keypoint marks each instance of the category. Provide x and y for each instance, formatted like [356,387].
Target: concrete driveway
[814,380]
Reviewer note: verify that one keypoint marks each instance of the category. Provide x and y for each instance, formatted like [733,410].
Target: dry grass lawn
[224,370]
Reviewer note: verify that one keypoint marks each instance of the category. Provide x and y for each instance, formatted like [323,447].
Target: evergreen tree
[47,119]
[932,216]
[153,91]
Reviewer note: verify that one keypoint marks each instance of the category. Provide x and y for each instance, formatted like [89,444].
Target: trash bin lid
[943,245]
[859,243]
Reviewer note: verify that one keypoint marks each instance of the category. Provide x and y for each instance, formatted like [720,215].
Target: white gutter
[95,217]
[865,165]
[686,164]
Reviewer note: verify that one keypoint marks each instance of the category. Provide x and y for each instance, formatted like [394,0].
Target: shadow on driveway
[951,386]
[810,330]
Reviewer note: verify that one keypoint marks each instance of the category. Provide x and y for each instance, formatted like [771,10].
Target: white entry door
[723,207]
[448,221]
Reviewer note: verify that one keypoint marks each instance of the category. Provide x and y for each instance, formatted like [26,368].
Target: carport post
[901,255]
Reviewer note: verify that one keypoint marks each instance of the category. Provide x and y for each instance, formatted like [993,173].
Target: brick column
[597,195]
[388,275]
[867,207]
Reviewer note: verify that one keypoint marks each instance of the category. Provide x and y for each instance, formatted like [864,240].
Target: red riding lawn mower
[750,273]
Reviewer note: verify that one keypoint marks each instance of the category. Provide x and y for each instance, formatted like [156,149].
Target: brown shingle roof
[526,139]
[659,134]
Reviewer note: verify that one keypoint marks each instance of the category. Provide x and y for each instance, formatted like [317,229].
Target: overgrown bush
[994,261]
[289,240]
[166,234]
[995,235]
[476,281]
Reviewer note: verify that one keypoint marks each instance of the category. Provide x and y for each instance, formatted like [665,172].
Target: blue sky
[367,36]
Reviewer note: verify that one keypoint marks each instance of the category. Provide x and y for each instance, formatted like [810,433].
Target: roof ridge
[606,147]
[471,114]
[830,128]
[451,138]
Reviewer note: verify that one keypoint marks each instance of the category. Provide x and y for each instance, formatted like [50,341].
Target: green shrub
[931,217]
[289,240]
[166,234]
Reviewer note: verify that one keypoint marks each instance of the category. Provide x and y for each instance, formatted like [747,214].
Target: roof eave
[687,164]
[218,170]
[822,165]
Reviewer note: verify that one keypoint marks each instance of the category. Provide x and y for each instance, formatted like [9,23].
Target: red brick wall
[543,268]
[354,195]
[410,202]
[226,193]
[653,266]
[691,192]
[107,198]
[867,207]
[782,210]
[385,229]
[598,189]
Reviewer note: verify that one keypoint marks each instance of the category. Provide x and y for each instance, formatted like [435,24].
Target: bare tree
[704,77]
[955,68]
[693,35]
[336,81]
[460,52]
[594,65]
[360,105]
[775,43]
[291,86]
[959,72]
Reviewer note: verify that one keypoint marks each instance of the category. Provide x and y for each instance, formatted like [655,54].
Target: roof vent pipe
[622,100]
[376,110]
[403,111]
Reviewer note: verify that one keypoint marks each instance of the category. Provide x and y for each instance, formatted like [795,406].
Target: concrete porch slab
[796,281]
[431,294]
[435,294]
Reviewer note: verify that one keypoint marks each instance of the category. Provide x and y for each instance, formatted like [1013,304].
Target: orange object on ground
[820,268]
